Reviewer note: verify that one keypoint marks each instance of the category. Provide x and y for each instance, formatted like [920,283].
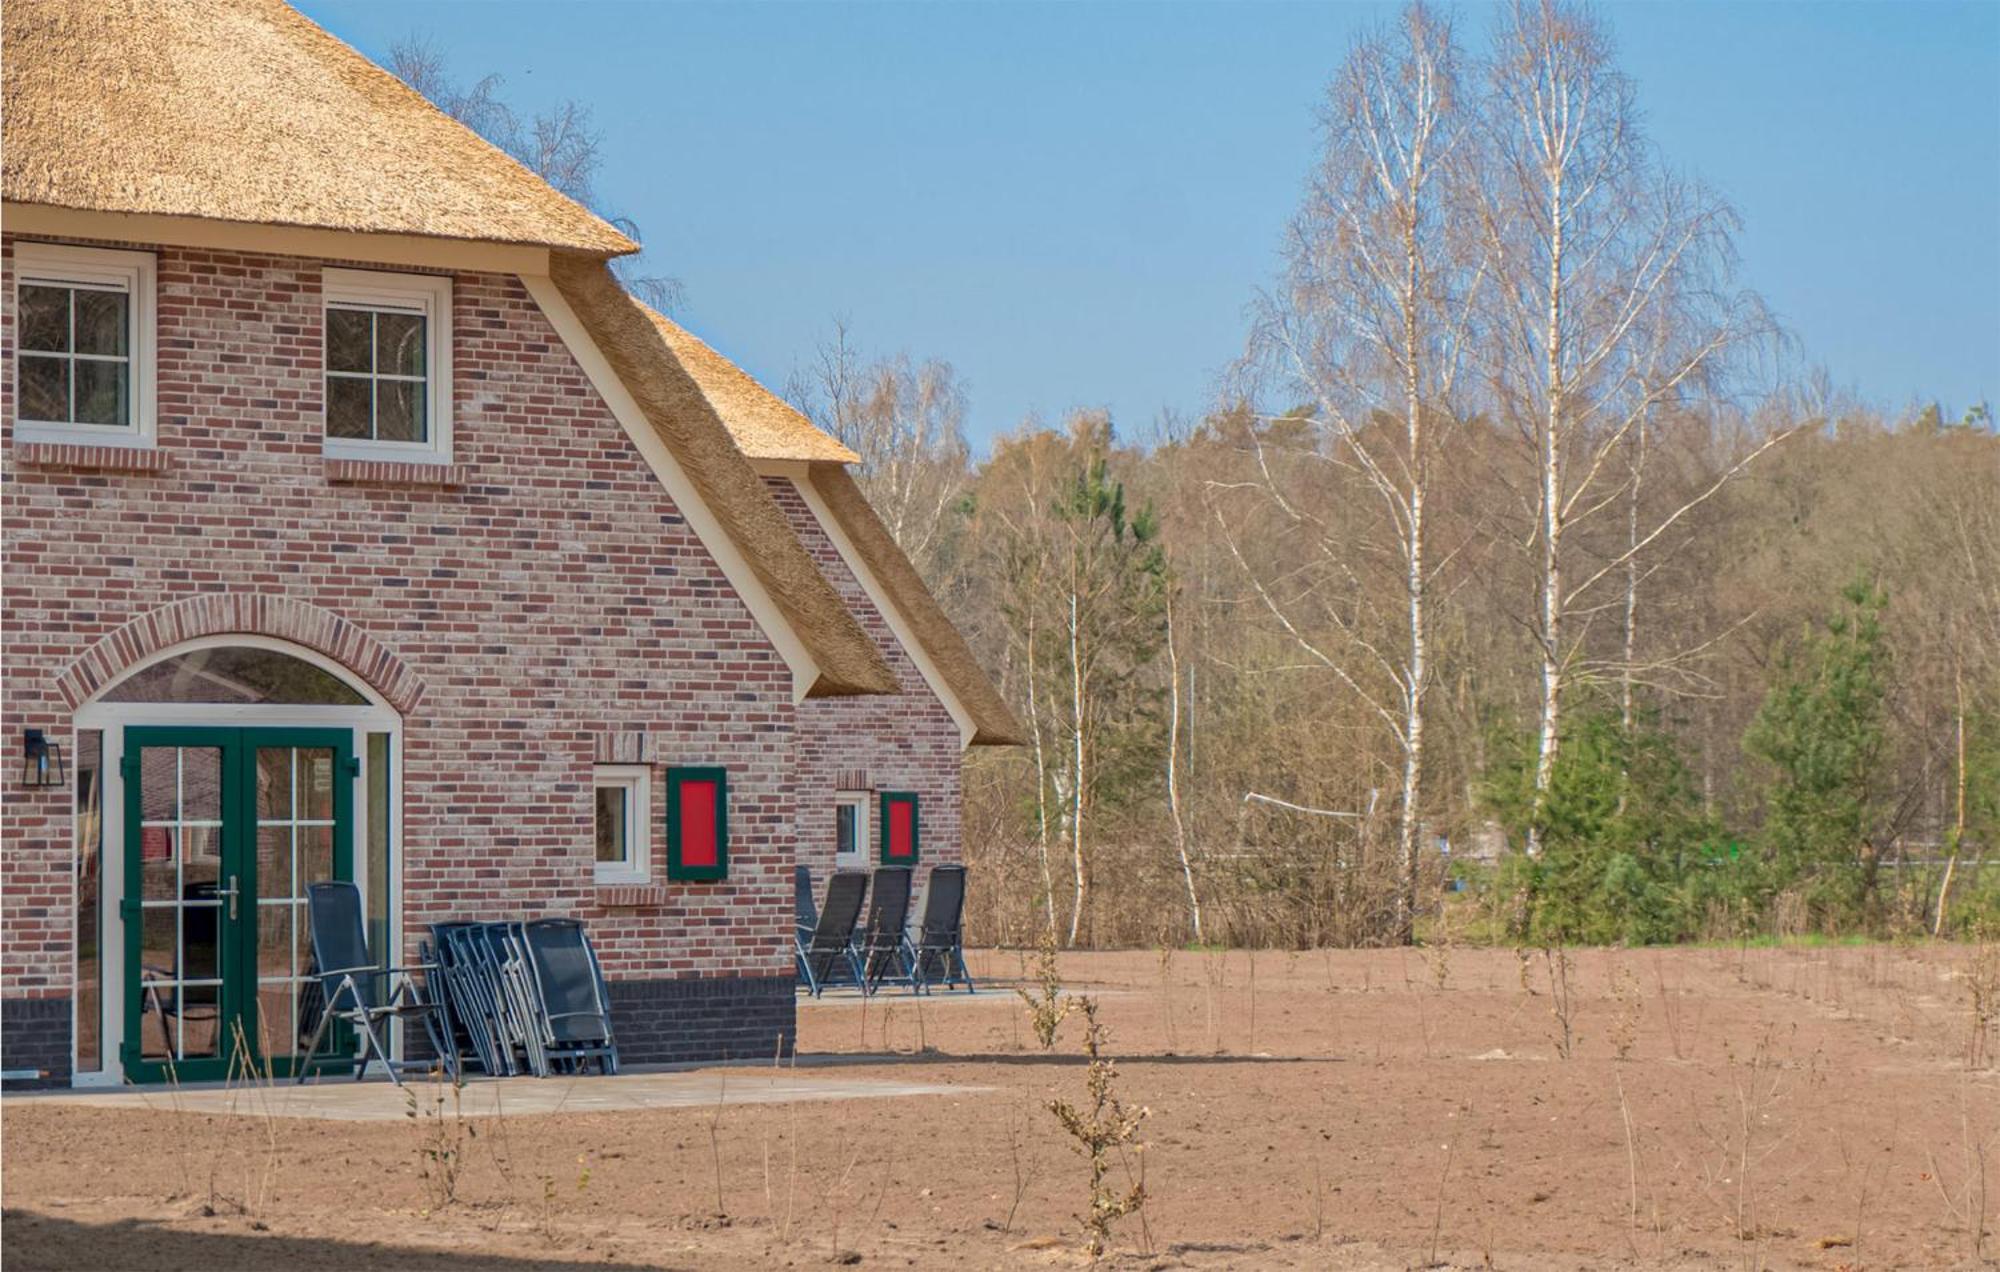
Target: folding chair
[805,915]
[575,1022]
[882,940]
[937,952]
[828,950]
[352,984]
[463,1026]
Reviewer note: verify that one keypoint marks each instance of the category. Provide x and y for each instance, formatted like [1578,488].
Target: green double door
[224,830]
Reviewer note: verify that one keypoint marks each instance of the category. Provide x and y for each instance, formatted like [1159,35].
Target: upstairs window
[388,366]
[83,359]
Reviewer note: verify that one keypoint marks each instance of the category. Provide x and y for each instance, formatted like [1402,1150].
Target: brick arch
[242,613]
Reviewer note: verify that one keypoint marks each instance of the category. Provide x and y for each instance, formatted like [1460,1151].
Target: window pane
[399,411]
[611,837]
[399,344]
[378,846]
[103,392]
[45,318]
[44,388]
[347,406]
[89,877]
[347,340]
[102,322]
[233,674]
[843,829]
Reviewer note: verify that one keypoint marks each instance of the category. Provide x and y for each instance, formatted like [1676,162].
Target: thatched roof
[764,425]
[678,411]
[243,110]
[767,427]
[993,721]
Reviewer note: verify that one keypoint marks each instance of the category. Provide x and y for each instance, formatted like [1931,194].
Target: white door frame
[376,716]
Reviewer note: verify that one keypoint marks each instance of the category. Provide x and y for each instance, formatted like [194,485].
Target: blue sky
[1073,203]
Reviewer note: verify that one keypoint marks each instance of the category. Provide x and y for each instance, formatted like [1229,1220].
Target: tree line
[1514,569]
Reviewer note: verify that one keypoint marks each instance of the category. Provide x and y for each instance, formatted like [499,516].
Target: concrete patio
[377,1100]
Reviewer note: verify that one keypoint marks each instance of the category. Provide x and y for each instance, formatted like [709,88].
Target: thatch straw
[767,427]
[993,722]
[243,110]
[764,425]
[847,658]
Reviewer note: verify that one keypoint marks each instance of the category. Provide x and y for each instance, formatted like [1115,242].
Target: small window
[621,794]
[900,832]
[697,823]
[850,829]
[388,366]
[83,359]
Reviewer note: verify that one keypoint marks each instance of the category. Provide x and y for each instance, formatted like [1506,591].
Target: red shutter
[902,830]
[699,843]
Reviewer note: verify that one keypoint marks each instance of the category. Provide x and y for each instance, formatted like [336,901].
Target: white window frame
[858,859]
[136,274]
[636,780]
[425,294]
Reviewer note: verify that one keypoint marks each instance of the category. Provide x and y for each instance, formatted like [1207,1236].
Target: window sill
[630,895]
[386,472]
[97,458]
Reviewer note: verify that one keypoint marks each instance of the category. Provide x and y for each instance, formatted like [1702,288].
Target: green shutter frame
[677,869]
[888,799]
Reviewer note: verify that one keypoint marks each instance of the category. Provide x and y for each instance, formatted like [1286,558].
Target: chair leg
[373,1043]
[312,1047]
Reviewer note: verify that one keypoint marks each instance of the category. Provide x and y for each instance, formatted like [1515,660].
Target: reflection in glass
[89,865]
[235,674]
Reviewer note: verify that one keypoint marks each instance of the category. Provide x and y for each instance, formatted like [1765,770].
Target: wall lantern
[41,760]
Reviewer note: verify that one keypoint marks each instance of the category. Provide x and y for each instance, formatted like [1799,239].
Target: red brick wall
[904,742]
[553,606]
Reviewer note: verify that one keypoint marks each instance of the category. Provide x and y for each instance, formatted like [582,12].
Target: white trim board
[693,509]
[277,240]
[801,480]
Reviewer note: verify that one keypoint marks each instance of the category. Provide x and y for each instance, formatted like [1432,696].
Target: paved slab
[379,1101]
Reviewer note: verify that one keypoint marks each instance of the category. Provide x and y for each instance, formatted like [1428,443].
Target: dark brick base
[34,1034]
[704,1018]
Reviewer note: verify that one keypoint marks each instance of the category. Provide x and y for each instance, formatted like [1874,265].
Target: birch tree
[1369,327]
[1614,294]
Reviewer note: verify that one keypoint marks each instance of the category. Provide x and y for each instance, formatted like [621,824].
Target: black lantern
[42,760]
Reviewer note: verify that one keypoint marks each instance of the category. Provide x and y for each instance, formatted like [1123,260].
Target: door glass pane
[294,850]
[315,856]
[159,784]
[274,782]
[315,770]
[201,784]
[181,893]
[274,860]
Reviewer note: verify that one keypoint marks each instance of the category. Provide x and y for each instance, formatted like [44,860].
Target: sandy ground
[1806,1108]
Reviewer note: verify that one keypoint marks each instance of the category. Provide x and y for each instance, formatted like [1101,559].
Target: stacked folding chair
[523,997]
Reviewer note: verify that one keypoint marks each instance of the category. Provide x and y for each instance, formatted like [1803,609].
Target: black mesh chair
[575,1017]
[360,992]
[805,915]
[882,940]
[828,951]
[937,948]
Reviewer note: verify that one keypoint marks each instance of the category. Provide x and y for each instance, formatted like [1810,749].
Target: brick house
[359,525]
